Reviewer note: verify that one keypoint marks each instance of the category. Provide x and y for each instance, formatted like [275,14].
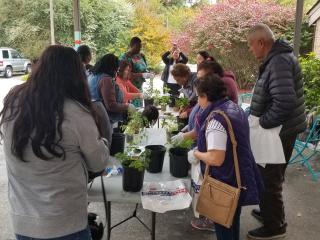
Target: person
[129,91]
[187,81]
[104,88]
[203,56]
[215,149]
[170,58]
[151,114]
[85,57]
[227,76]
[51,142]
[204,68]
[277,100]
[138,63]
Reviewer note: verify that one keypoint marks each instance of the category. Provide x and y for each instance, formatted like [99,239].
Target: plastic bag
[196,181]
[165,196]
[266,144]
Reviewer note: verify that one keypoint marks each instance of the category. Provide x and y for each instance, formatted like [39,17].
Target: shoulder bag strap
[234,145]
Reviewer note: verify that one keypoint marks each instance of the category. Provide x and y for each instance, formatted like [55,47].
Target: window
[15,54]
[5,54]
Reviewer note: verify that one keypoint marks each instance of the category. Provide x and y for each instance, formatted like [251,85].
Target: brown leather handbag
[218,201]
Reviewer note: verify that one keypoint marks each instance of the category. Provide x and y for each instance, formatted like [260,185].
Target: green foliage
[163,100]
[136,123]
[149,26]
[25,25]
[182,102]
[307,34]
[185,143]
[133,159]
[310,69]
[170,123]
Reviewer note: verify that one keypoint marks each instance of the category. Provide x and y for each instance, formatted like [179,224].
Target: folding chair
[308,148]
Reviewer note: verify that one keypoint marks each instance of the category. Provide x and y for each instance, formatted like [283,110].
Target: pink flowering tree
[222,30]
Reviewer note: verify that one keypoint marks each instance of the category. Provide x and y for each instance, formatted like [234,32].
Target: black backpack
[95,225]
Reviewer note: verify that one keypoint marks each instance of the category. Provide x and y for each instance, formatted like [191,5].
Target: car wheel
[8,72]
[28,69]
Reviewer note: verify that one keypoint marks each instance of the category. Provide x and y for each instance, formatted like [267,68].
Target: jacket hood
[279,46]
[228,74]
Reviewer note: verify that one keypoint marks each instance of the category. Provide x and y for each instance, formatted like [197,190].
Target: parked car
[11,61]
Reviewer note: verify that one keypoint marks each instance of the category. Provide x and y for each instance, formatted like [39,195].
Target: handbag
[218,201]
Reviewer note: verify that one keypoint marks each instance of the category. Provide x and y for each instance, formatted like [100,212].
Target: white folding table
[115,193]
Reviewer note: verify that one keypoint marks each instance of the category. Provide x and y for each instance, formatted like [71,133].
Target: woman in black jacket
[170,58]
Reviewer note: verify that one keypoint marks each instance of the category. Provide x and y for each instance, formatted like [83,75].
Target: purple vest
[250,175]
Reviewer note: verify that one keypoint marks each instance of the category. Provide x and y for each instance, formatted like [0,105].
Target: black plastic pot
[148,102]
[179,164]
[132,179]
[172,102]
[182,122]
[117,143]
[156,158]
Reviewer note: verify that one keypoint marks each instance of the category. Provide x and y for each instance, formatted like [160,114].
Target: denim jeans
[81,235]
[231,233]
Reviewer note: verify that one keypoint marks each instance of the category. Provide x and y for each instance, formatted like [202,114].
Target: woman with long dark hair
[51,142]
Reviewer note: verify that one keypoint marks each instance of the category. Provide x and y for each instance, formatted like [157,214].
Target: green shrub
[310,69]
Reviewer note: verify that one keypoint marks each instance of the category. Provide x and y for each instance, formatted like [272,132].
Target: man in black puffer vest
[277,100]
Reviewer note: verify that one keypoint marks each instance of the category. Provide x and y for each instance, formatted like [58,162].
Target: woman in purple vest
[215,148]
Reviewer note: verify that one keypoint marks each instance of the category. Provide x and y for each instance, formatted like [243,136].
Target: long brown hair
[36,106]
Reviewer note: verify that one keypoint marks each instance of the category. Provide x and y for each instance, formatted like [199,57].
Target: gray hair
[262,31]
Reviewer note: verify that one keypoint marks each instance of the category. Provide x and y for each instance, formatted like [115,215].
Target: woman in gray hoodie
[51,142]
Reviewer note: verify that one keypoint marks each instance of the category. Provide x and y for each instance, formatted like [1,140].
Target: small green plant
[163,100]
[170,123]
[185,143]
[182,102]
[136,123]
[132,159]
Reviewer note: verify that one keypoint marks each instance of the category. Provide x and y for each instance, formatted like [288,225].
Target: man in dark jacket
[277,100]
[170,58]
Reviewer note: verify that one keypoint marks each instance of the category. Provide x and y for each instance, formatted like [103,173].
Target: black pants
[271,202]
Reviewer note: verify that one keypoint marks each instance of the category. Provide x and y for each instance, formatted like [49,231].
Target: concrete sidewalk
[301,195]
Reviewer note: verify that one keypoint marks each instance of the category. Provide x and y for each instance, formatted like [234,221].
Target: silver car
[11,61]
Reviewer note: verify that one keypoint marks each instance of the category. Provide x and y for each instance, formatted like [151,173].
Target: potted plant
[181,103]
[163,101]
[134,162]
[178,155]
[150,94]
[157,153]
[170,124]
[134,126]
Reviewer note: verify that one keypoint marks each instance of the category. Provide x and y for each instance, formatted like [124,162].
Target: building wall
[316,43]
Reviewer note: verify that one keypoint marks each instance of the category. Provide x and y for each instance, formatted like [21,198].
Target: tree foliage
[25,24]
[310,66]
[150,27]
[222,29]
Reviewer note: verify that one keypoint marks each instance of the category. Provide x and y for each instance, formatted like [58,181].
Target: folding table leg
[109,220]
[153,226]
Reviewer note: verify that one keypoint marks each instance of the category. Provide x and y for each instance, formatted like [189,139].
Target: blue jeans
[231,233]
[82,235]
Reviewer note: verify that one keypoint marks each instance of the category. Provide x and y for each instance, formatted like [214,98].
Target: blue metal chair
[308,147]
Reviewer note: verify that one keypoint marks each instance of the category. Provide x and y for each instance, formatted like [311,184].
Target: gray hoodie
[48,199]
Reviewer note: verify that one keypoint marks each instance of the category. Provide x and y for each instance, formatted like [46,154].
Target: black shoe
[264,233]
[257,214]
